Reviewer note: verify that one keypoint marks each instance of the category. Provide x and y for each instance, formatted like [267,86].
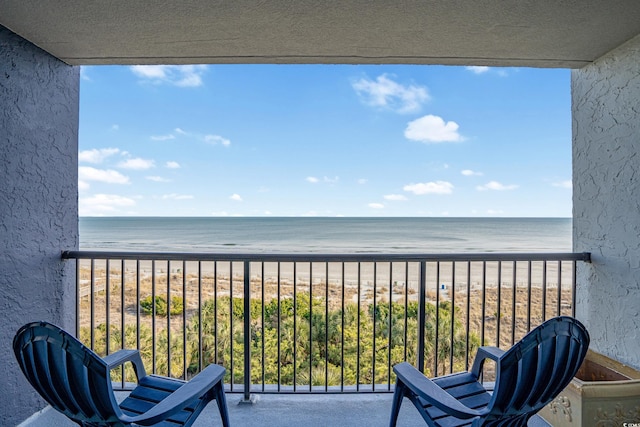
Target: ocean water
[325,235]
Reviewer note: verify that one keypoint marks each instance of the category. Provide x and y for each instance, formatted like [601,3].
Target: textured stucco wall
[38,203]
[606,201]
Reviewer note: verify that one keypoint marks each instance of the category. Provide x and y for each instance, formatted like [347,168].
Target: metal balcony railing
[315,323]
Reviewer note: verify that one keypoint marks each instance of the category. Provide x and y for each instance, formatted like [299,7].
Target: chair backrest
[536,369]
[68,375]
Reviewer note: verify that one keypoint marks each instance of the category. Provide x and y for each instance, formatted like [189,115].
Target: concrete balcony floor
[290,410]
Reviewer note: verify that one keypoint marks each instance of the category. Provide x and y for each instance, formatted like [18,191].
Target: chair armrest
[181,397]
[428,390]
[486,352]
[121,357]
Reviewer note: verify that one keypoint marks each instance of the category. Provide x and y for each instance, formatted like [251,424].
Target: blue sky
[324,140]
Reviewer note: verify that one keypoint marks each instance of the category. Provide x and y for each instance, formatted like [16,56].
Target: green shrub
[146,304]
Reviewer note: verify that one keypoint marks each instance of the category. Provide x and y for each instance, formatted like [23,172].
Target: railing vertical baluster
[529,276]
[247,331]
[326,327]
[484,301]
[184,320]
[233,367]
[390,338]
[342,331]
[544,290]
[153,316]
[466,360]
[374,312]
[92,303]
[422,301]
[310,325]
[122,319]
[499,314]
[78,298]
[107,300]
[513,306]
[453,311]
[406,311]
[200,349]
[358,333]
[574,284]
[295,325]
[437,344]
[215,315]
[499,302]
[559,305]
[168,318]
[138,304]
[262,322]
[279,330]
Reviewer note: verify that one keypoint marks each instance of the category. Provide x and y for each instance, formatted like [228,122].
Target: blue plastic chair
[528,376]
[75,381]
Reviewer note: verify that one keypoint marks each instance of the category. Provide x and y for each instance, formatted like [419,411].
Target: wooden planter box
[603,393]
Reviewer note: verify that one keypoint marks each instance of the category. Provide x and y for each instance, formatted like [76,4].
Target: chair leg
[221,400]
[398,395]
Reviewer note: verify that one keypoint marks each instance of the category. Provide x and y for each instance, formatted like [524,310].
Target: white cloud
[495,212]
[209,138]
[325,179]
[376,205]
[115,127]
[84,74]
[101,204]
[137,164]
[438,187]
[86,173]
[469,172]
[236,197]
[395,197]
[82,185]
[163,137]
[175,196]
[176,75]
[150,71]
[432,128]
[496,186]
[563,184]
[478,69]
[362,181]
[158,179]
[216,139]
[96,155]
[384,92]
[173,165]
[333,180]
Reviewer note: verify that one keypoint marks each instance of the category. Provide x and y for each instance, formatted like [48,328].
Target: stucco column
[606,200]
[38,203]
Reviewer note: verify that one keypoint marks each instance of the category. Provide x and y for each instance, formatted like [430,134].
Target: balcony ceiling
[537,33]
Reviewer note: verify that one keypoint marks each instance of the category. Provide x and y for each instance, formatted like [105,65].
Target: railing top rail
[321,257]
